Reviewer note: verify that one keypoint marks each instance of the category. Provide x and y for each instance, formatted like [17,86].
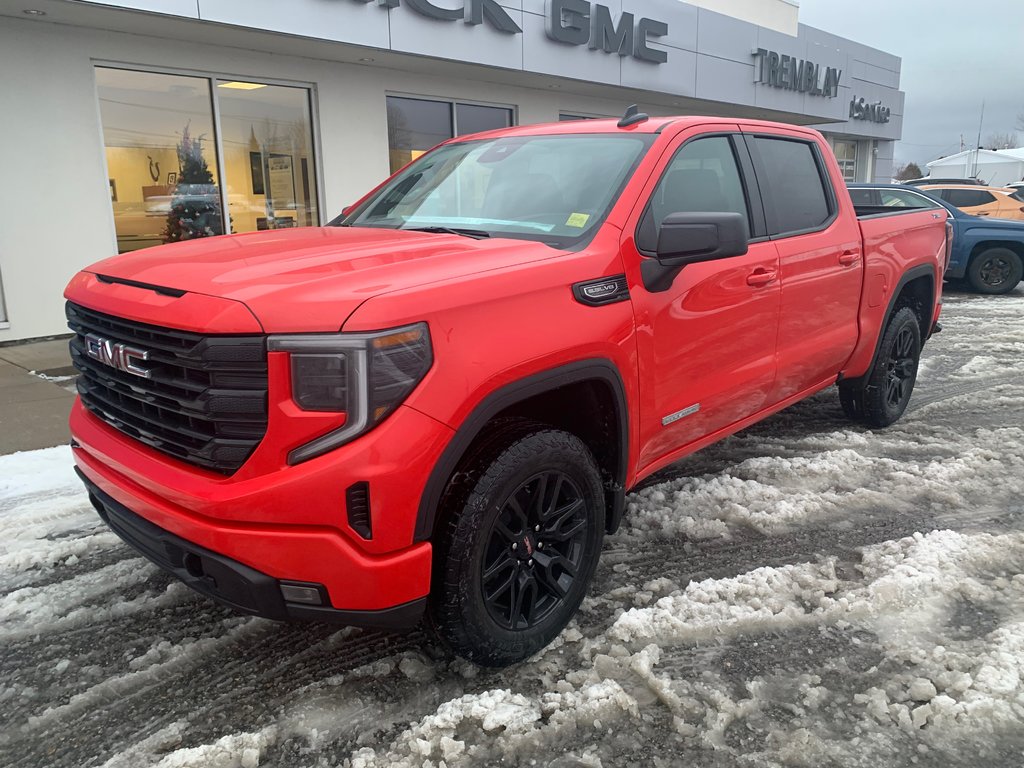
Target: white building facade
[994,167]
[132,124]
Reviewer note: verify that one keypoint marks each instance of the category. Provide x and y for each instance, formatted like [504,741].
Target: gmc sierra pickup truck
[433,408]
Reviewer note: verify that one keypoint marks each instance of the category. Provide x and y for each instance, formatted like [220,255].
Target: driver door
[707,344]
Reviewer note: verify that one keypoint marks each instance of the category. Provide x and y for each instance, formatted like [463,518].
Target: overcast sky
[955,53]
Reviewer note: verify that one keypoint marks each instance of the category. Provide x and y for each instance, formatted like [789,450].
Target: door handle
[982,213]
[761,277]
[849,258]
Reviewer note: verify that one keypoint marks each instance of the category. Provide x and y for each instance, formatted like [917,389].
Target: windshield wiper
[476,234]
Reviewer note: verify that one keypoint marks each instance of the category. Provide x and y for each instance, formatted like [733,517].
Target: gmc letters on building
[575,22]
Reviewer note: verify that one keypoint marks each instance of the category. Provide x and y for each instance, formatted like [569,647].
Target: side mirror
[689,238]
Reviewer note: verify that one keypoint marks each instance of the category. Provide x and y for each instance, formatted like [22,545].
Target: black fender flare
[921,270]
[600,369]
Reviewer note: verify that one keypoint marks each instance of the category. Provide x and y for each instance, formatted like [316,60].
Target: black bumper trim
[228,581]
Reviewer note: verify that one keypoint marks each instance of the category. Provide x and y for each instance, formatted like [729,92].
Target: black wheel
[518,549]
[891,381]
[882,397]
[995,271]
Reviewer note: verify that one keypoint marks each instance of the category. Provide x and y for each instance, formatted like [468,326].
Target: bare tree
[908,171]
[1006,140]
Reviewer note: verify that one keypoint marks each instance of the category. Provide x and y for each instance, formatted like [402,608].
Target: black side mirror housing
[689,238]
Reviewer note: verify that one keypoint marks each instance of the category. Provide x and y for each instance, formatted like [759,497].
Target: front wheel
[883,397]
[995,271]
[519,549]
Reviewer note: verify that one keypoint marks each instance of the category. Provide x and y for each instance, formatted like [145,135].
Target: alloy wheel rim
[901,369]
[995,272]
[534,551]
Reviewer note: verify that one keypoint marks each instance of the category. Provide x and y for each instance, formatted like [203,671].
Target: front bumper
[230,582]
[288,524]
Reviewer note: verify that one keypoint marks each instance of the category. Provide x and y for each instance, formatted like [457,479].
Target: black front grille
[205,401]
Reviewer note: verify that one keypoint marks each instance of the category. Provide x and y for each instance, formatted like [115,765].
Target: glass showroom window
[161,157]
[165,157]
[417,125]
[267,140]
[846,154]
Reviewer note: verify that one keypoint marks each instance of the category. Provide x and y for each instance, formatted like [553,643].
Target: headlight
[363,375]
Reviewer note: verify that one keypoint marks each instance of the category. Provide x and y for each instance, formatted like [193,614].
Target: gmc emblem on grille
[117,355]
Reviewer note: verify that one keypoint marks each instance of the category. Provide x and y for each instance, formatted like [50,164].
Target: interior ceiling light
[240,86]
[33,12]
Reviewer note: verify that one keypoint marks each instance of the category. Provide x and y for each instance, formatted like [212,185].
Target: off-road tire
[508,465]
[995,271]
[882,397]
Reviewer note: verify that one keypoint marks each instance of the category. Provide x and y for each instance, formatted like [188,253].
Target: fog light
[301,593]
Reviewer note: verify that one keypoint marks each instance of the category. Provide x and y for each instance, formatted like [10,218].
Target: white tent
[994,167]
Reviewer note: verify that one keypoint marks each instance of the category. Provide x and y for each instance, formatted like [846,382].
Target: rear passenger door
[820,260]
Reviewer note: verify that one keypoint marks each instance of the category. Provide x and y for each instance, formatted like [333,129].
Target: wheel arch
[916,289]
[986,245]
[587,397]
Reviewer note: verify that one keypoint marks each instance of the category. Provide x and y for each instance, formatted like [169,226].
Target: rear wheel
[995,271]
[883,396]
[519,548]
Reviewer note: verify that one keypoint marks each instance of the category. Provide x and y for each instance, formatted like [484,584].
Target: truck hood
[312,279]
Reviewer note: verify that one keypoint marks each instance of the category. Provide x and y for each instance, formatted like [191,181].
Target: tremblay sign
[782,71]
[574,22]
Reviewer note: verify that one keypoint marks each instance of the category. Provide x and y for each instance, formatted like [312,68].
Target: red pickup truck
[436,405]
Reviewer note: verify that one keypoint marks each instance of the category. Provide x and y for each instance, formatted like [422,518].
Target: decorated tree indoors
[195,201]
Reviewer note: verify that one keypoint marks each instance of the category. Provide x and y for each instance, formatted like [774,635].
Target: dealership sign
[574,22]
[860,109]
[791,73]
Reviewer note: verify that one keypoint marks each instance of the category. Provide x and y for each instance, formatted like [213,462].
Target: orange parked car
[994,202]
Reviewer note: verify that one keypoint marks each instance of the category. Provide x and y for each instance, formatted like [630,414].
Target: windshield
[555,189]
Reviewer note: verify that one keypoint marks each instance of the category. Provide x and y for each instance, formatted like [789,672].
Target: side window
[965,198]
[898,198]
[794,184]
[702,177]
[865,197]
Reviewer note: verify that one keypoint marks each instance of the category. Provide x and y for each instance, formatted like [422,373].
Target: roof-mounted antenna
[633,116]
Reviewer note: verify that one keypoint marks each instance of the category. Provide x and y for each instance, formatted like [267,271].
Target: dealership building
[263,114]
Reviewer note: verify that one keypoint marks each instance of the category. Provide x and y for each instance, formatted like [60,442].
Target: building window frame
[574,116]
[847,167]
[454,104]
[215,76]
[4,322]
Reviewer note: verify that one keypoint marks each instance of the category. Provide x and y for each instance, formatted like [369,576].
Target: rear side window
[966,198]
[865,197]
[794,185]
[900,198]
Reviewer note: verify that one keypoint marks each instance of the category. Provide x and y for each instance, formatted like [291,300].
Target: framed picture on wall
[256,170]
[281,181]
[172,179]
[113,190]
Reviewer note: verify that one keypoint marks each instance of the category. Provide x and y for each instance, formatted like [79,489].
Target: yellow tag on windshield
[578,220]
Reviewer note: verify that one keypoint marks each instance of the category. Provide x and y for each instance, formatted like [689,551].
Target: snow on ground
[804,593]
